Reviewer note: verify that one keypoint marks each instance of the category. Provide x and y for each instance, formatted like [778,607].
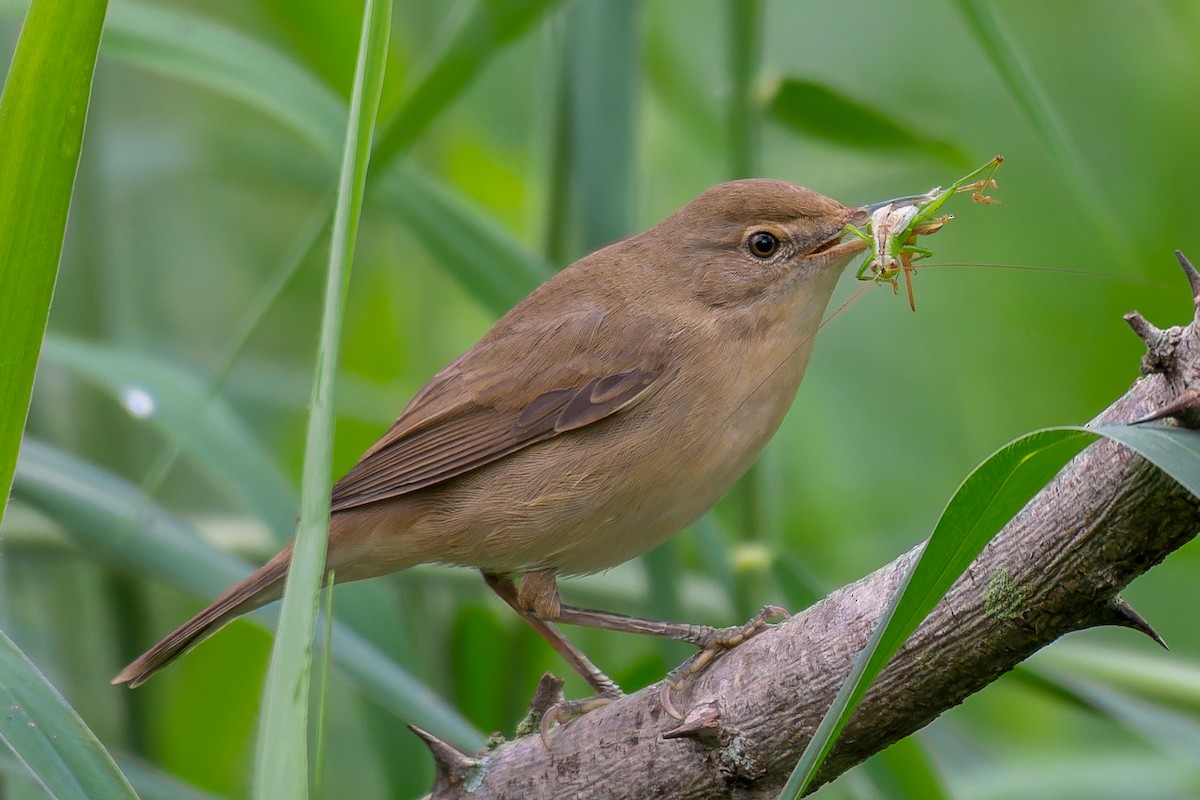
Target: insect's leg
[865,268]
[866,237]
[913,253]
[906,263]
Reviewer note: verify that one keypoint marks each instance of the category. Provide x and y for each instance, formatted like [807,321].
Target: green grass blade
[991,494]
[602,62]
[281,757]
[42,112]
[986,500]
[815,110]
[49,737]
[742,113]
[323,688]
[743,117]
[116,523]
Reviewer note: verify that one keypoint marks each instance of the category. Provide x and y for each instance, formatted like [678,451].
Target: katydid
[893,228]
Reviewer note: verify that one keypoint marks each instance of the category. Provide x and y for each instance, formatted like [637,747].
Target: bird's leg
[503,586]
[709,639]
[538,595]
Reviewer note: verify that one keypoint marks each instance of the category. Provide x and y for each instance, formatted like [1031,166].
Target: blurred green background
[526,133]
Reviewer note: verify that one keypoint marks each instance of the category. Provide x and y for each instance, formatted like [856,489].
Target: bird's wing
[512,390]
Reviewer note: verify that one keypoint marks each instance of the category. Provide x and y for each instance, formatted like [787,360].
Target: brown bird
[610,408]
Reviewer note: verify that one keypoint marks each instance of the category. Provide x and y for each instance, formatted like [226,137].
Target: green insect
[895,225]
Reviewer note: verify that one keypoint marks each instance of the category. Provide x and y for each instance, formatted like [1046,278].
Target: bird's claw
[564,711]
[713,643]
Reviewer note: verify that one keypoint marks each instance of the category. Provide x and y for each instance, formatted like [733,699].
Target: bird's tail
[259,588]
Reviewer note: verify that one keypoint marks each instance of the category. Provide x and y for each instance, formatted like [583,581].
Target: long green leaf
[42,112]
[987,499]
[116,523]
[1176,451]
[49,737]
[281,757]
[148,782]
[743,121]
[602,59]
[816,110]
[743,114]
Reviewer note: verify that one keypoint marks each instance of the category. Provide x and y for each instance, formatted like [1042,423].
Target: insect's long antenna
[849,301]
[1060,270]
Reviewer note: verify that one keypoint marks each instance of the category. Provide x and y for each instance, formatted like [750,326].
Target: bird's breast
[593,498]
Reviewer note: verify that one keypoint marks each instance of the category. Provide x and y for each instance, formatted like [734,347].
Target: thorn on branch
[1184,408]
[702,725]
[544,708]
[1160,355]
[548,694]
[454,767]
[1123,615]
[1145,329]
[1193,278]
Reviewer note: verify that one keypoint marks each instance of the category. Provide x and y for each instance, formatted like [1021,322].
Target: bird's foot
[549,707]
[564,711]
[712,642]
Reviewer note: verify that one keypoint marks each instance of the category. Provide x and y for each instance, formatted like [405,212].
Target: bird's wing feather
[467,417]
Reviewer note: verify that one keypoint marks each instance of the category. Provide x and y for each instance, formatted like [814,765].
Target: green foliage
[42,112]
[281,758]
[49,737]
[119,525]
[815,110]
[987,499]
[515,135]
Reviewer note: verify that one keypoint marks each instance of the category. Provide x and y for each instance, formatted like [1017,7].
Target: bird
[606,411]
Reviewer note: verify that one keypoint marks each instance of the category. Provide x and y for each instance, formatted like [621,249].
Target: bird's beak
[840,247]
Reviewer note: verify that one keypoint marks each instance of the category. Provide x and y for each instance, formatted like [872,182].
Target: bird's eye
[762,244]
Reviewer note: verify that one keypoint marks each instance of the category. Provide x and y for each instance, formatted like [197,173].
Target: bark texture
[1057,567]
